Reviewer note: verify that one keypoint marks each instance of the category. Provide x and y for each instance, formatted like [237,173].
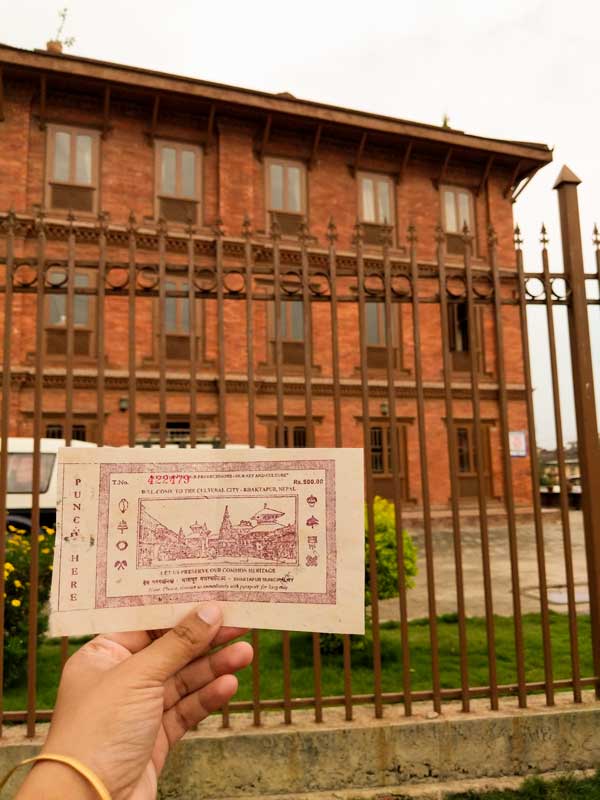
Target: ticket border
[329,597]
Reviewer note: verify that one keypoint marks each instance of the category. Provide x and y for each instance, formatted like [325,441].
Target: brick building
[86,137]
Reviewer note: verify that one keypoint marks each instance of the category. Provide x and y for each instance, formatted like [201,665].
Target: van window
[20,472]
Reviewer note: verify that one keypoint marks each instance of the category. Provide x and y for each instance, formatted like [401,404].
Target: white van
[20,474]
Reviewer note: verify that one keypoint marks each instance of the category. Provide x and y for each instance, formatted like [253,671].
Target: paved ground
[445,581]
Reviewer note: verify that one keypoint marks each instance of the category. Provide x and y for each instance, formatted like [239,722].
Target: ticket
[145,534]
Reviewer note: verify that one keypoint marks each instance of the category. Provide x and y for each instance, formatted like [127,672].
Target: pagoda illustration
[265,537]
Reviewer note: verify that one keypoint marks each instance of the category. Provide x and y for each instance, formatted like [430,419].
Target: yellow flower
[18,583]
[8,566]
[12,528]
[41,537]
[50,567]
[15,603]
[45,549]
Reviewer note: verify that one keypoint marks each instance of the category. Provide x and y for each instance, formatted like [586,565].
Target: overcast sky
[516,69]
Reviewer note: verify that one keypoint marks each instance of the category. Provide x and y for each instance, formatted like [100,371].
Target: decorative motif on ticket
[141,540]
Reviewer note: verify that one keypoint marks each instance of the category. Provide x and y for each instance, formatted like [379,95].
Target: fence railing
[130,335]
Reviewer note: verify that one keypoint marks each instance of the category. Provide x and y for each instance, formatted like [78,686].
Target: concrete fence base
[391,757]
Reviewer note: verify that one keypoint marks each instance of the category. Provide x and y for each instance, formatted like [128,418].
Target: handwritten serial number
[176,478]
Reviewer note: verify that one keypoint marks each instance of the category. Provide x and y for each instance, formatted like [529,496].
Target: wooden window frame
[461,359]
[372,229]
[471,474]
[376,353]
[284,212]
[72,130]
[456,236]
[159,195]
[90,328]
[179,279]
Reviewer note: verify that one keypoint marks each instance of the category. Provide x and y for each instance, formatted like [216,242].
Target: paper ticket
[143,535]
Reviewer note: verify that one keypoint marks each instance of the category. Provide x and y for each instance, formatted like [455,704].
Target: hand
[125,699]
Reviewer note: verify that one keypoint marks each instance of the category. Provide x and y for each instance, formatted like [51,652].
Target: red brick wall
[233,181]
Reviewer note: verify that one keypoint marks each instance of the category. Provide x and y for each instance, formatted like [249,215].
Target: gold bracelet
[84,771]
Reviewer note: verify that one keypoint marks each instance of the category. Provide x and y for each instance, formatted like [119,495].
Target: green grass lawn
[271,674]
[536,789]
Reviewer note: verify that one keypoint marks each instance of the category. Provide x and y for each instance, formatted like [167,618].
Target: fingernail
[210,613]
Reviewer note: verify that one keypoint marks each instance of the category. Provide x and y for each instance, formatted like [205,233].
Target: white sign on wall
[517,444]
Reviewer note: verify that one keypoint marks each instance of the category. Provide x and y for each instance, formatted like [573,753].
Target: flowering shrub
[16,597]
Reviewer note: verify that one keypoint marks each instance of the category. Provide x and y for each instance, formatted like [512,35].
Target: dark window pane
[372,315]
[299,437]
[297,320]
[79,433]
[170,309]
[464,456]
[377,436]
[54,432]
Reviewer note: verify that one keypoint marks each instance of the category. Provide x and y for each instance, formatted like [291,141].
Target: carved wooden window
[79,431]
[178,182]
[286,194]
[376,205]
[381,458]
[56,317]
[461,337]
[291,330]
[177,320]
[376,335]
[467,459]
[457,210]
[72,169]
[294,435]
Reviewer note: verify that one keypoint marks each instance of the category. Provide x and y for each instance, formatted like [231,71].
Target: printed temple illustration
[267,536]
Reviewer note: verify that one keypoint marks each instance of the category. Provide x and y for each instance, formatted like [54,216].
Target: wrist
[55,781]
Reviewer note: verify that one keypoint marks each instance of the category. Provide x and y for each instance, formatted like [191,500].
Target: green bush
[16,597]
[386,551]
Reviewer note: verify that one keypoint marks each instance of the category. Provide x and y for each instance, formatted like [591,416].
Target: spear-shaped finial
[492,238]
[246,226]
[412,233]
[440,236]
[517,238]
[331,231]
[596,238]
[358,231]
[543,236]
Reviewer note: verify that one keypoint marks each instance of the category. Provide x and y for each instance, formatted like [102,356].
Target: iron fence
[271,343]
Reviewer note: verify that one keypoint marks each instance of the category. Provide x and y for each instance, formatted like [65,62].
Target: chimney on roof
[54,46]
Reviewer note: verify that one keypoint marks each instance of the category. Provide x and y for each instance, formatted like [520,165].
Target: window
[376,337]
[457,210]
[467,459]
[72,169]
[178,182]
[458,336]
[291,330]
[381,459]
[56,316]
[376,205]
[56,431]
[177,319]
[286,194]
[294,435]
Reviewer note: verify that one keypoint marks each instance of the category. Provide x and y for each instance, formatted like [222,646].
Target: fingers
[188,640]
[193,708]
[203,670]
[135,641]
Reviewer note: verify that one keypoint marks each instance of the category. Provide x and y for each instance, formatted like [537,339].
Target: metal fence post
[583,388]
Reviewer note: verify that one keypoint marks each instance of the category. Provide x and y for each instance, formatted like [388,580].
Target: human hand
[124,699]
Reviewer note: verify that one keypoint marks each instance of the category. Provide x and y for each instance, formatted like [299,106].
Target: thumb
[186,641]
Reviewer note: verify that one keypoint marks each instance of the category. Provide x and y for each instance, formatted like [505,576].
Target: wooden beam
[315,146]
[405,159]
[511,183]
[486,174]
[359,152]
[155,110]
[444,169]
[211,124]
[1,96]
[43,88]
[106,126]
[260,149]
[528,176]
